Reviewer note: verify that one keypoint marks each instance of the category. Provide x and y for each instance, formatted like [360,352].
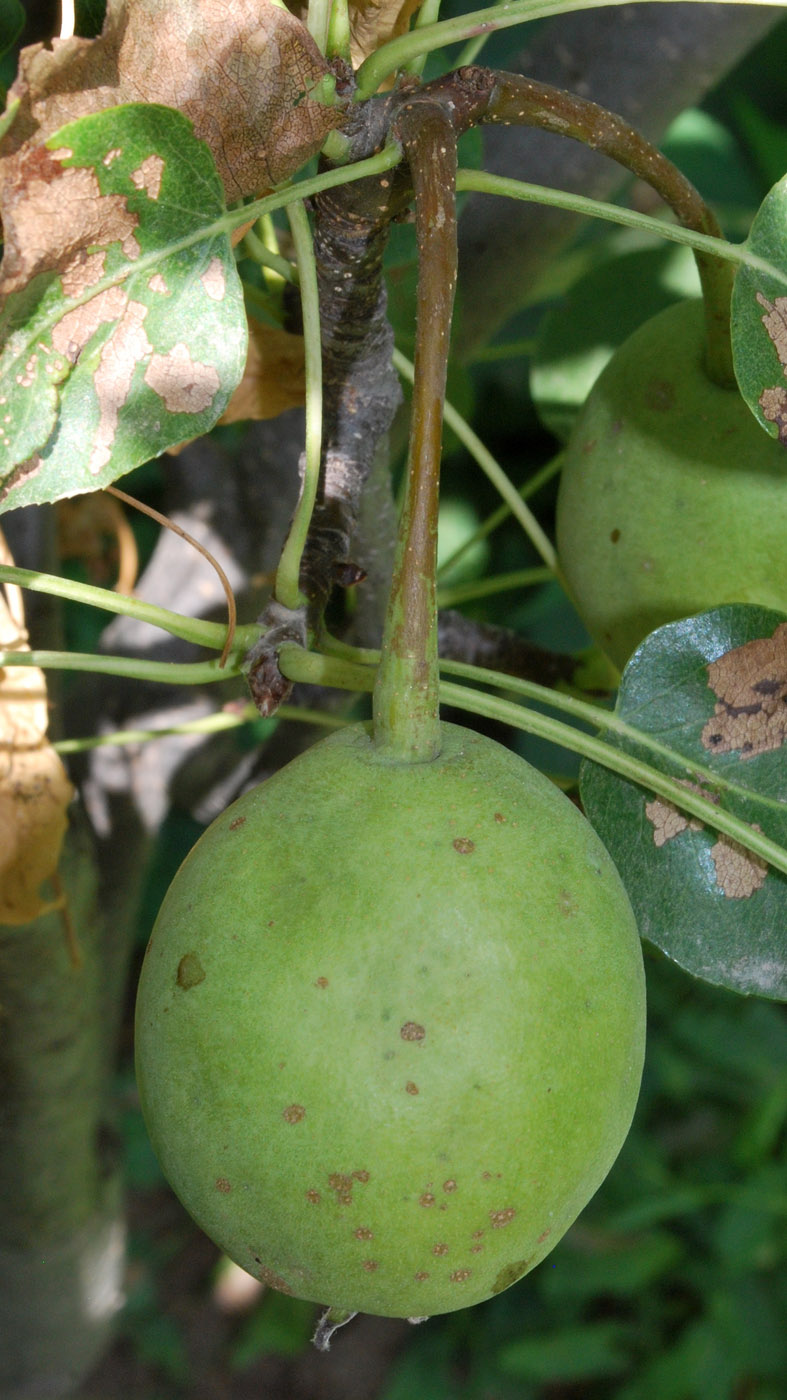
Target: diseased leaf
[374,22]
[34,788]
[759,318]
[244,71]
[126,327]
[274,378]
[713,689]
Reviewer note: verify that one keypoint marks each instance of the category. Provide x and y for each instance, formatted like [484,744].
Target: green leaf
[125,320]
[610,1264]
[280,1325]
[602,309]
[759,318]
[568,1354]
[711,688]
[12,20]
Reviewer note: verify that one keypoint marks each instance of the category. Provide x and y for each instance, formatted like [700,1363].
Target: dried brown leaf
[34,789]
[274,378]
[374,22]
[242,70]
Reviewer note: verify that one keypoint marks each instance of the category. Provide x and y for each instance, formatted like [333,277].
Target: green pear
[672,499]
[390,1024]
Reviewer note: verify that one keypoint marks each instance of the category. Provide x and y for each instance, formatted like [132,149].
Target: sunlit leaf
[246,73]
[713,689]
[759,318]
[126,326]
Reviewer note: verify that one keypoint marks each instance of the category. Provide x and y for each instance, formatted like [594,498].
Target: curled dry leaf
[374,22]
[34,789]
[243,71]
[274,379]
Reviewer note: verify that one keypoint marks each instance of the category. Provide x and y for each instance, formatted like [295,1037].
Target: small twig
[232,611]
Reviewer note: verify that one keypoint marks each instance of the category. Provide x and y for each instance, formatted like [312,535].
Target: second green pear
[672,499]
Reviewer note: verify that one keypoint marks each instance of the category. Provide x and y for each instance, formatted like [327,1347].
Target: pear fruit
[672,499]
[390,1024]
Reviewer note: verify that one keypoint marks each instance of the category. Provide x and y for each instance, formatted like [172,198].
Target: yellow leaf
[34,788]
[274,378]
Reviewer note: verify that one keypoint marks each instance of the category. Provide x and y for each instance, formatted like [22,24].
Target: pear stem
[520,101]
[406,694]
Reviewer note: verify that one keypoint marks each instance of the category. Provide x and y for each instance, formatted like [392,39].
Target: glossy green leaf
[759,318]
[603,308]
[711,688]
[125,326]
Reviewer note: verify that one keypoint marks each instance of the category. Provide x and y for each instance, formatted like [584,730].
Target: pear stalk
[406,705]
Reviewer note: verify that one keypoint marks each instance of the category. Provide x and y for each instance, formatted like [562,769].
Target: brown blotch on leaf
[294,1113]
[498,1218]
[667,821]
[739,873]
[464,845]
[509,1275]
[223,1185]
[190,972]
[412,1031]
[750,683]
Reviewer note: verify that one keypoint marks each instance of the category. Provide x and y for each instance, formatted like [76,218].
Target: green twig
[530,487]
[399,52]
[287,587]
[208,724]
[132,667]
[484,183]
[189,629]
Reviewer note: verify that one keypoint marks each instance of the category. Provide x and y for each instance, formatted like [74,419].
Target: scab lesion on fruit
[294,1113]
[190,972]
[460,1275]
[236,822]
[499,1218]
[410,1087]
[412,1031]
[221,1184]
[463,845]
